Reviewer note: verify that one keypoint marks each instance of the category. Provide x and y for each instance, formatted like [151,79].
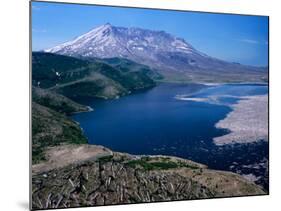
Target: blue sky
[235,38]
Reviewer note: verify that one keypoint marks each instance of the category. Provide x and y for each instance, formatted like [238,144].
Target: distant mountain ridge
[107,41]
[159,50]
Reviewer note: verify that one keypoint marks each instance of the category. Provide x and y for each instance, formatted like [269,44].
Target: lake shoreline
[95,135]
[220,140]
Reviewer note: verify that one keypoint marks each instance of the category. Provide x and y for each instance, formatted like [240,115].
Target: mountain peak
[104,27]
[107,41]
[157,49]
[107,24]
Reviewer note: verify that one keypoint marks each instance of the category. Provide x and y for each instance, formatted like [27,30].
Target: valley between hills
[68,172]
[110,62]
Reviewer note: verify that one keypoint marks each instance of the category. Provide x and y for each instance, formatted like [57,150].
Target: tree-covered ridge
[56,101]
[57,79]
[74,77]
[50,128]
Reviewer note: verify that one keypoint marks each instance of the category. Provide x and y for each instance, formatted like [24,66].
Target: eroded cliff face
[103,177]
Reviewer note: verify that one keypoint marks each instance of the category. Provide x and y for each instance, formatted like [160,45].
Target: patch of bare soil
[64,155]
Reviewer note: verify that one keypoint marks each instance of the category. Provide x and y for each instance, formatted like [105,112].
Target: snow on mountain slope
[108,41]
[158,49]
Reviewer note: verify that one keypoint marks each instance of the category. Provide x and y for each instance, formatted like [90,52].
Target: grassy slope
[50,69]
[126,65]
[79,78]
[56,101]
[63,77]
[50,128]
[130,80]
[94,85]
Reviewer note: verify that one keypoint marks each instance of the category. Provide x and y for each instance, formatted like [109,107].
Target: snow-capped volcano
[140,45]
[157,49]
[103,39]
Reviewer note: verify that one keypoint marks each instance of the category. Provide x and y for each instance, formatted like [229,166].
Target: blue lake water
[155,122]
